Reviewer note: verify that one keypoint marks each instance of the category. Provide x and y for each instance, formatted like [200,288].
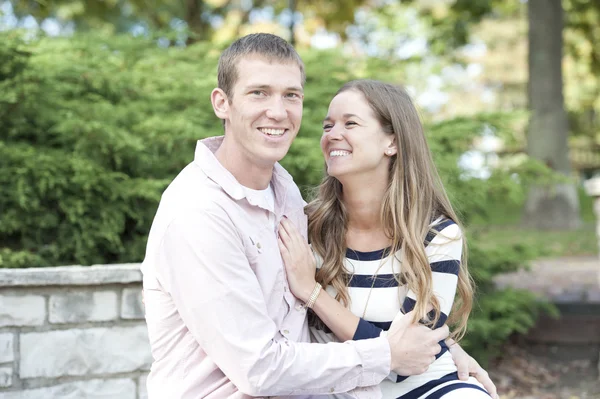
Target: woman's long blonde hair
[415,197]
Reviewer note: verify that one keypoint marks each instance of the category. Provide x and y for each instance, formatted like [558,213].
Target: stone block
[82,306]
[84,351]
[131,304]
[25,310]
[71,275]
[142,389]
[5,377]
[7,352]
[92,389]
[560,331]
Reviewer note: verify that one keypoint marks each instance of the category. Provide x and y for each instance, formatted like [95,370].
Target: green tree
[554,206]
[200,17]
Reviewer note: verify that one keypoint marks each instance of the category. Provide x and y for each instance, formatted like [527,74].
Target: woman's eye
[350,123]
[327,127]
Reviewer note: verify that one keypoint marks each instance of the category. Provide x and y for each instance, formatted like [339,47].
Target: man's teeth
[273,132]
[339,153]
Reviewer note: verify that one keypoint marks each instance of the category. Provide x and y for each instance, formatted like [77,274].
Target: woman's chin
[336,172]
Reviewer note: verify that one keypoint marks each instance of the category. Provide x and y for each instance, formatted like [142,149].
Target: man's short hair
[266,45]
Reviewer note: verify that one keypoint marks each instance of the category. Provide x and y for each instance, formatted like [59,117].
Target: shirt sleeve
[444,252]
[202,264]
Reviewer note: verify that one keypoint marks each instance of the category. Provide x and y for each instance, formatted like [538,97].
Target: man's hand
[467,366]
[413,346]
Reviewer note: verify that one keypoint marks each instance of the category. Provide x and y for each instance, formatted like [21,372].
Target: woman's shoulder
[442,230]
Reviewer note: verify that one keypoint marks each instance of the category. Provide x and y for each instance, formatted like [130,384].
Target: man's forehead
[271,60]
[247,62]
[259,76]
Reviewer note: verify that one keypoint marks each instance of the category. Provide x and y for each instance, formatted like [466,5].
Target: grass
[504,228]
[545,243]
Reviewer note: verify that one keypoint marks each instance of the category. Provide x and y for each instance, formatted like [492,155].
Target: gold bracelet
[313,296]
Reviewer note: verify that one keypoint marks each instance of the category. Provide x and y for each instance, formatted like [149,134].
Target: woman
[384,234]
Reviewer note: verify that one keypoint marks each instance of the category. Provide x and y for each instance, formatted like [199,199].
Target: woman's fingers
[290,229]
[291,235]
[284,235]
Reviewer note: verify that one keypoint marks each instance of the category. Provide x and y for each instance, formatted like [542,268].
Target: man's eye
[350,123]
[327,127]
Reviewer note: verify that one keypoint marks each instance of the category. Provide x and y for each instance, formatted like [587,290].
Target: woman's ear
[391,149]
[220,103]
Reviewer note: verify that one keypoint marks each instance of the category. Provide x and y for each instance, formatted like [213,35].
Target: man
[221,319]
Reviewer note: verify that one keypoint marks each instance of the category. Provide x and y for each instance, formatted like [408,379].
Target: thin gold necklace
[381,263]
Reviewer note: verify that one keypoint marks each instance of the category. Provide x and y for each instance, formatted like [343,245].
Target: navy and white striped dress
[387,298]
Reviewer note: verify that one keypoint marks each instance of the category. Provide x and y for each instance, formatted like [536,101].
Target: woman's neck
[363,201]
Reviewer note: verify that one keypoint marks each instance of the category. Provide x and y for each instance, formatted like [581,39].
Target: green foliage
[92,131]
[498,314]
[192,19]
[90,138]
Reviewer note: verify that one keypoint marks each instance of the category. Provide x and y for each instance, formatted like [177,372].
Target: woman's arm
[415,345]
[340,320]
[301,268]
[444,252]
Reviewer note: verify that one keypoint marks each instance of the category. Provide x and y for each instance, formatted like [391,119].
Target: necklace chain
[381,262]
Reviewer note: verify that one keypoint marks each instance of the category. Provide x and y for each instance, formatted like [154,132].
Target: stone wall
[73,332]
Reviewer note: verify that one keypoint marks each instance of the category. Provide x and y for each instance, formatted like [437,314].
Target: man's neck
[246,171]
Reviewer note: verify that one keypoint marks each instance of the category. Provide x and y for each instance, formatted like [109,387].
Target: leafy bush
[92,131]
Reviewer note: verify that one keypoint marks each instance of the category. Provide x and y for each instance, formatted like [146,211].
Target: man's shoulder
[192,194]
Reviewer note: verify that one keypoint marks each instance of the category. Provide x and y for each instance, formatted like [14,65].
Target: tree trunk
[292,8]
[555,207]
[193,18]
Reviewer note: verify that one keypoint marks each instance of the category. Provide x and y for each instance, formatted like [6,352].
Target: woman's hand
[298,259]
[467,366]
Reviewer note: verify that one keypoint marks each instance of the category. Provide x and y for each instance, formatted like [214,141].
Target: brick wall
[73,333]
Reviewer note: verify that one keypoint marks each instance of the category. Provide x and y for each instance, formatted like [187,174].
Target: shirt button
[299,307]
[258,245]
[286,332]
[331,390]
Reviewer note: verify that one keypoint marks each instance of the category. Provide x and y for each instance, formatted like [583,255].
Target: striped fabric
[375,293]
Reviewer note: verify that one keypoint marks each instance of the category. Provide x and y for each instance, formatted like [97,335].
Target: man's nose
[277,110]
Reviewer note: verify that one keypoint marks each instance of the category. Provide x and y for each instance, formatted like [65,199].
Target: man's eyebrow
[265,87]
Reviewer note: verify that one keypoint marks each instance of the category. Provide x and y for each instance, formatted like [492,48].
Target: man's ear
[220,103]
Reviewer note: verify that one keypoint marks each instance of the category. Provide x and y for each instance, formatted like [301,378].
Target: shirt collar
[206,160]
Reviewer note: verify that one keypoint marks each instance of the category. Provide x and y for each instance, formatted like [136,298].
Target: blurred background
[101,103]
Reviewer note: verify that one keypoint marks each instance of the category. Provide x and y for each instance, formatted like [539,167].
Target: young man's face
[265,113]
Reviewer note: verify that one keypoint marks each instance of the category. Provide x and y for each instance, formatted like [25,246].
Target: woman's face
[353,142]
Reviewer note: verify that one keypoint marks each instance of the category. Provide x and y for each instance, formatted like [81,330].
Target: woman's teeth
[338,153]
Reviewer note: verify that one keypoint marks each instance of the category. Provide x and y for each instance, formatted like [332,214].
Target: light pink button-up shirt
[221,319]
